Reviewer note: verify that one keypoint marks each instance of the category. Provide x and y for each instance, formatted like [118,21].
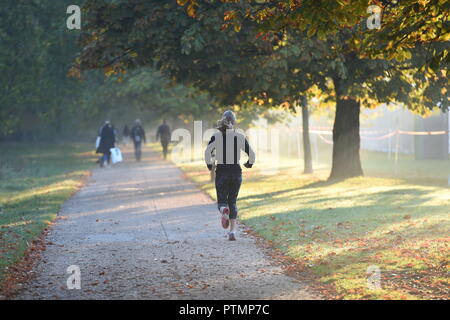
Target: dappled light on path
[140,231]
[337,229]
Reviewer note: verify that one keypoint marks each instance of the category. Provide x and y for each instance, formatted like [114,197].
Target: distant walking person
[164,134]
[138,135]
[107,142]
[227,144]
[125,135]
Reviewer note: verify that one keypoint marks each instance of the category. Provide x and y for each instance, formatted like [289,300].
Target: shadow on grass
[391,198]
[372,211]
[321,184]
[268,195]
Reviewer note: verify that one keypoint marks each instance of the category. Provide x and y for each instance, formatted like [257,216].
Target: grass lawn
[34,182]
[337,231]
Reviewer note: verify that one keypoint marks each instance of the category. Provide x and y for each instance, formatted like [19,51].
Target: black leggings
[227,188]
[165,146]
[138,150]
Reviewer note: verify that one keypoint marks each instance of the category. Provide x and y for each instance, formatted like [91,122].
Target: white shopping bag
[116,155]
[97,142]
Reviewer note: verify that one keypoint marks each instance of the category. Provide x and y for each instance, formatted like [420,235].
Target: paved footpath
[141,231]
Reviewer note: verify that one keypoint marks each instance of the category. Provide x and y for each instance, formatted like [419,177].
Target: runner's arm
[208,153]
[251,155]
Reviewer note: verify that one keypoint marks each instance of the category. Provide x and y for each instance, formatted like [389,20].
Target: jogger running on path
[228,143]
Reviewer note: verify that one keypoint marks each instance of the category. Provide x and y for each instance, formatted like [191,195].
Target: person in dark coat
[107,142]
[138,135]
[164,134]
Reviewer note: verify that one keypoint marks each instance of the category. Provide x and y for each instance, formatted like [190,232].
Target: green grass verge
[34,182]
[338,230]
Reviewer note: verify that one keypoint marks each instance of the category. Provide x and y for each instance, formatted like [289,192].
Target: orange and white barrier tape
[321,133]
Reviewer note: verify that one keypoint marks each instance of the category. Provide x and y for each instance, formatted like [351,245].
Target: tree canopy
[41,99]
[188,57]
[244,51]
[404,25]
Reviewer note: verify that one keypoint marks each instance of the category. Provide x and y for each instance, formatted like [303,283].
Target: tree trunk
[308,167]
[346,139]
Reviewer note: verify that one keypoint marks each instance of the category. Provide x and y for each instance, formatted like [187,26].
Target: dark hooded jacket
[107,139]
[163,133]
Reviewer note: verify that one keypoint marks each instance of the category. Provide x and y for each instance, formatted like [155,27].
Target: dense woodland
[41,101]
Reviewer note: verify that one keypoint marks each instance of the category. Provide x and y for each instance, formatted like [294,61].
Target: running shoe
[231,236]
[225,218]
